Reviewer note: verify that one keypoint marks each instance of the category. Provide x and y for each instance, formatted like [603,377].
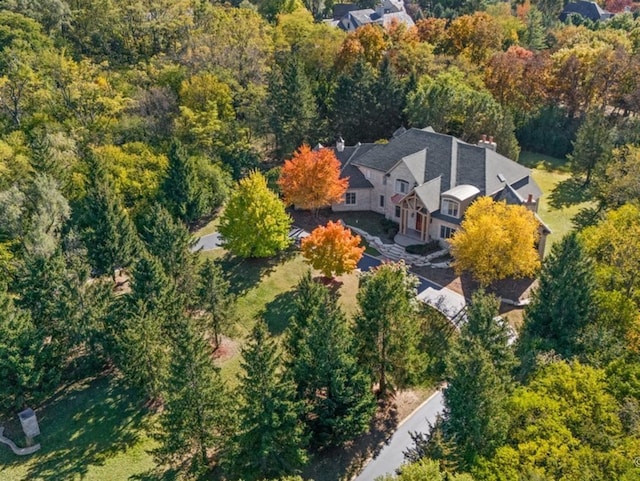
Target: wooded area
[127,125]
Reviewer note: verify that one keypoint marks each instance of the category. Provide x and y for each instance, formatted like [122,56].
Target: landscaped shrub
[423,249]
[390,227]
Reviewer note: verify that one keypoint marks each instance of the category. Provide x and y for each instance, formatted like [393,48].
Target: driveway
[392,455]
[208,242]
[369,262]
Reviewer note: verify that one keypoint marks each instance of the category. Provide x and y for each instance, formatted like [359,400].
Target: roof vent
[501,178]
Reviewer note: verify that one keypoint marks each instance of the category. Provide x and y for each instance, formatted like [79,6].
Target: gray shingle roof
[477,166]
[590,10]
[362,17]
[356,179]
[384,156]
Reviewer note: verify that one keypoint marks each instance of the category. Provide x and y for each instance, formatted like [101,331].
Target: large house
[590,10]
[425,181]
[349,16]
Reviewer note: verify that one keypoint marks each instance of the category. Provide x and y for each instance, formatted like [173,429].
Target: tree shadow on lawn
[244,274]
[83,427]
[569,192]
[278,312]
[345,462]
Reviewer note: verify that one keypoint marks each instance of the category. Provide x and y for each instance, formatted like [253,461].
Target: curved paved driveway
[391,457]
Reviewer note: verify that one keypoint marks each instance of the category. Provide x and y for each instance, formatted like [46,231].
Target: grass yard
[93,431]
[561,198]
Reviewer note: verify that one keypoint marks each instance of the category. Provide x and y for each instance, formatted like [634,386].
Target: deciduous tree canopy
[496,240]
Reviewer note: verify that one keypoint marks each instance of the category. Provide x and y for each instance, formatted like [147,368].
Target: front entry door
[419,222]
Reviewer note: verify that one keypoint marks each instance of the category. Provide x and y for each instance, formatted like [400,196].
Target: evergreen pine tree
[269,439]
[167,240]
[144,354]
[293,115]
[182,189]
[335,389]
[214,297]
[386,327]
[352,104]
[478,384]
[21,368]
[193,421]
[389,99]
[107,232]
[563,303]
[484,326]
[593,145]
[149,286]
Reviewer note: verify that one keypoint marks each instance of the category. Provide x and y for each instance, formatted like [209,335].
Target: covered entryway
[414,218]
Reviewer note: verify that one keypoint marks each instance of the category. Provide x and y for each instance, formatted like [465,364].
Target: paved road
[391,456]
[208,242]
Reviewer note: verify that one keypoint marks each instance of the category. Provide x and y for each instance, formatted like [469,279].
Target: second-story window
[350,198]
[402,186]
[450,207]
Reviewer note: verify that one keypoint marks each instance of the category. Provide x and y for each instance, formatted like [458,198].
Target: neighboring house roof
[341,9]
[590,10]
[386,13]
[362,17]
[400,17]
[462,192]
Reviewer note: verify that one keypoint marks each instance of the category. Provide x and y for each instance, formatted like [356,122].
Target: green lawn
[94,431]
[557,205]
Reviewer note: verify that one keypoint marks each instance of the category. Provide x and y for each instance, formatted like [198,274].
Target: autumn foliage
[311,179]
[332,249]
[496,241]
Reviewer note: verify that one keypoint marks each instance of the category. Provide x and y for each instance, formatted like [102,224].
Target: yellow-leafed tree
[332,249]
[311,179]
[496,240]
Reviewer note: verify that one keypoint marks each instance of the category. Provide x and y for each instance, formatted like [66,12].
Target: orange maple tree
[332,249]
[311,179]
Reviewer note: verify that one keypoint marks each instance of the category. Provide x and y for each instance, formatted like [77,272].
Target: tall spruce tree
[293,113]
[478,384]
[193,421]
[386,328]
[214,297]
[563,303]
[182,189]
[167,240]
[352,104]
[143,351]
[107,231]
[269,440]
[336,391]
[593,145]
[389,99]
[20,357]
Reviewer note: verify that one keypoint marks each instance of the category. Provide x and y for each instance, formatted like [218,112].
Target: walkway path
[392,455]
[16,449]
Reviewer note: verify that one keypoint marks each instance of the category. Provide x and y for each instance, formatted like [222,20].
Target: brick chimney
[487,143]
